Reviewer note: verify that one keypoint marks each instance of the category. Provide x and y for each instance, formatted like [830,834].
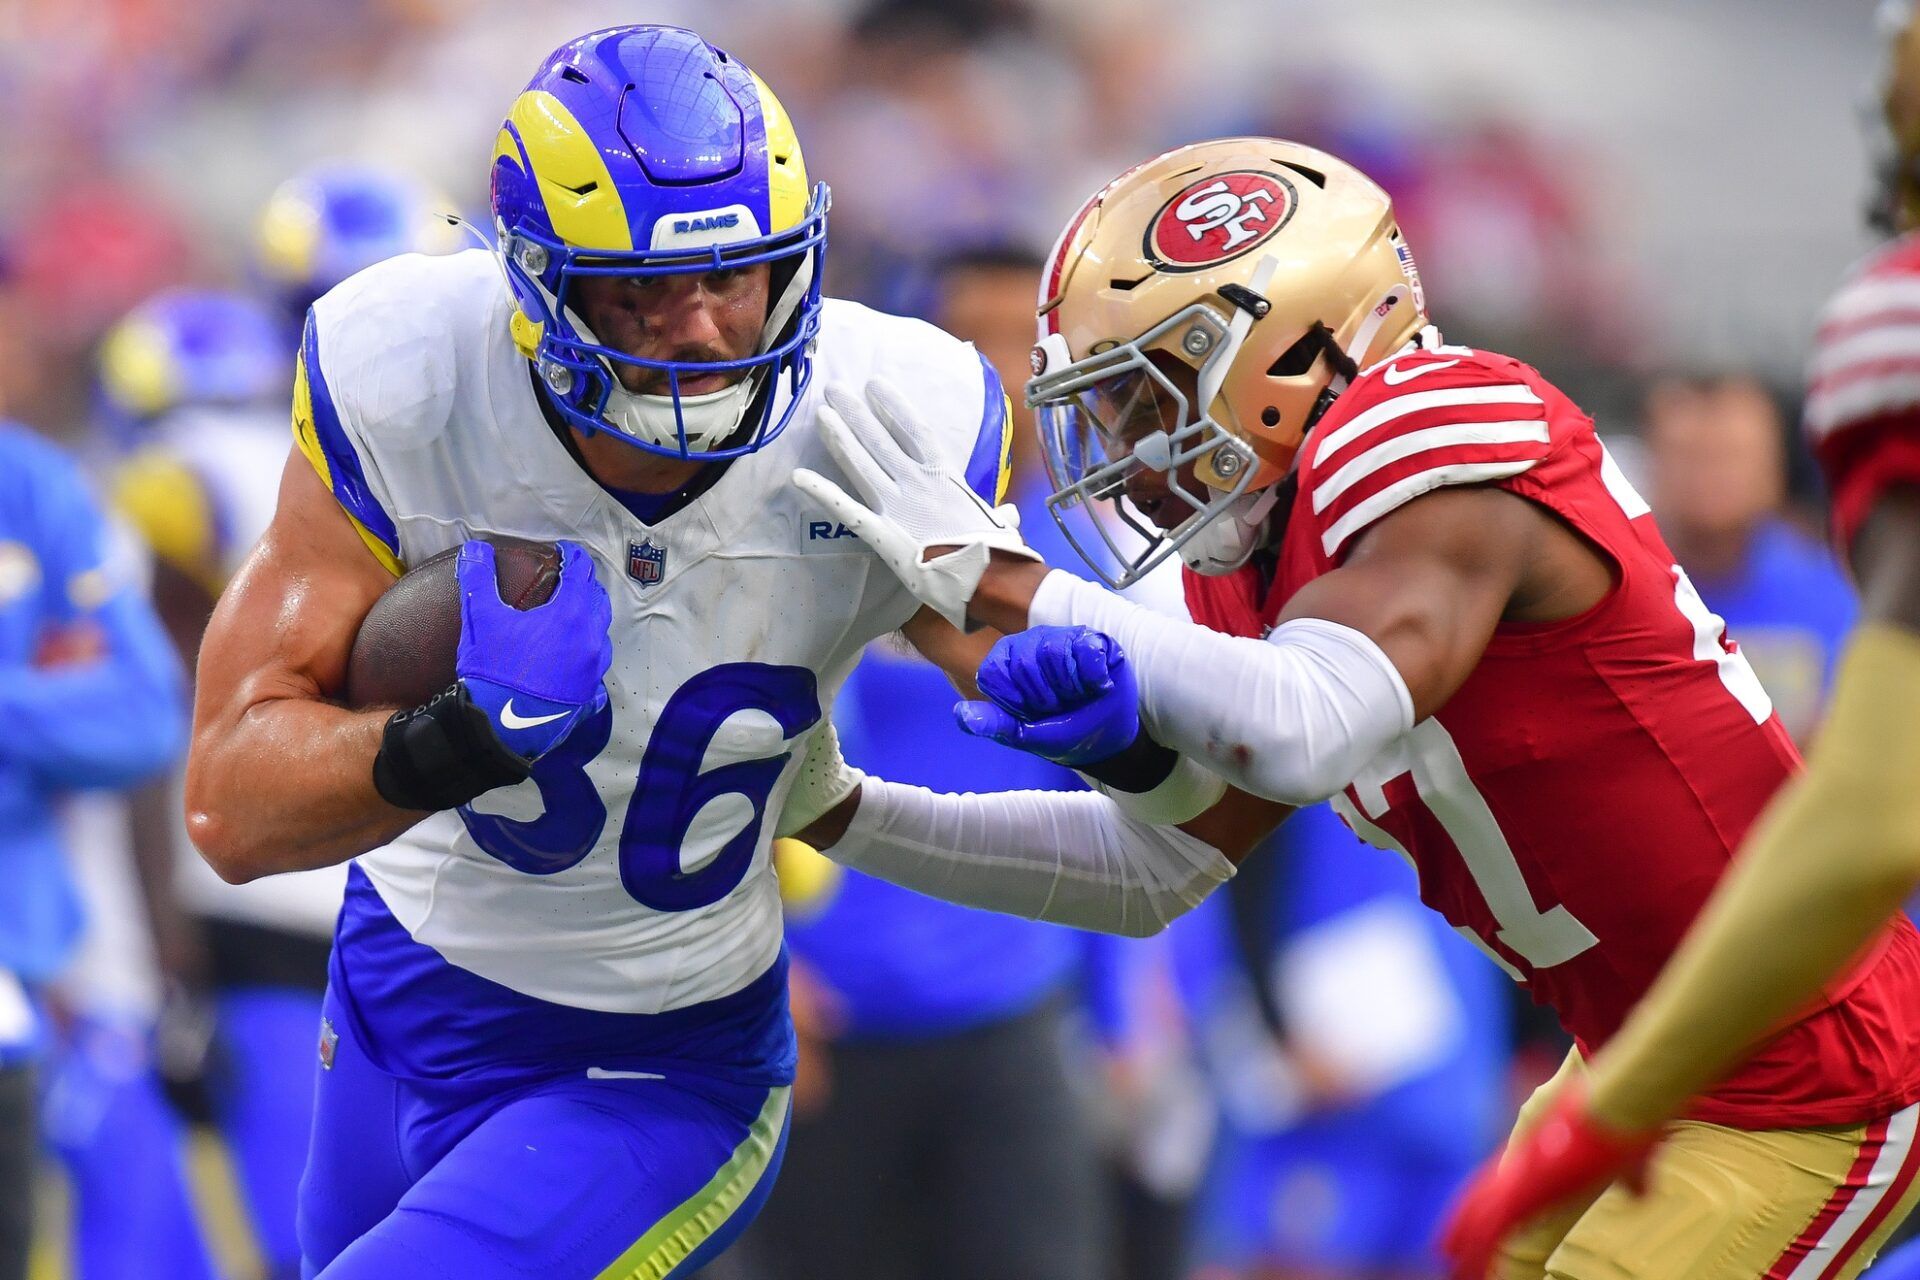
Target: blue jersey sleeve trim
[344,473]
[987,467]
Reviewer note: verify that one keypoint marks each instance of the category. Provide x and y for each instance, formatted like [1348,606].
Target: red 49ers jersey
[1863,394]
[1572,806]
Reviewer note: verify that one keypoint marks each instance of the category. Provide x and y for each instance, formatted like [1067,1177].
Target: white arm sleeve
[1292,718]
[1071,857]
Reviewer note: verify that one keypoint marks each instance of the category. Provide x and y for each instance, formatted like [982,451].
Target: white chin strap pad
[710,417]
[1225,542]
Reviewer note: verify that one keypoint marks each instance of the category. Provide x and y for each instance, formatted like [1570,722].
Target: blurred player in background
[1807,913]
[1716,453]
[1151,1103]
[1429,595]
[119,1002]
[195,385]
[104,1110]
[1359,1049]
[92,697]
[941,1083]
[329,221]
[1157,1112]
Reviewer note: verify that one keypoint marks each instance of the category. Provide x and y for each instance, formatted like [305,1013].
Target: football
[408,642]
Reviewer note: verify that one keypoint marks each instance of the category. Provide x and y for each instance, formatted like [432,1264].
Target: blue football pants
[584,1175]
[265,1102]
[121,1144]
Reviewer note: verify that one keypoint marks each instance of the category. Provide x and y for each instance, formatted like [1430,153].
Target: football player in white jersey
[556,1039]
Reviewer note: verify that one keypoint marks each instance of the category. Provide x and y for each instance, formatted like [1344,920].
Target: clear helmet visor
[1104,420]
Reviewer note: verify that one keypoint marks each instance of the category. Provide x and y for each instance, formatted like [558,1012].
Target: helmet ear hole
[1270,416]
[1314,176]
[1297,359]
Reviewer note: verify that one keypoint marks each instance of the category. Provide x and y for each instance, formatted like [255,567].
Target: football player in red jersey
[1840,851]
[1426,593]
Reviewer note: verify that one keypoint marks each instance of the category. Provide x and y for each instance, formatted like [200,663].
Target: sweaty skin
[1832,860]
[279,776]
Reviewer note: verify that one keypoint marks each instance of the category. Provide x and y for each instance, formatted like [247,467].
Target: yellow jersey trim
[307,439]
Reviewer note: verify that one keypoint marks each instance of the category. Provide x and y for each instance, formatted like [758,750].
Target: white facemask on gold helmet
[1271,271]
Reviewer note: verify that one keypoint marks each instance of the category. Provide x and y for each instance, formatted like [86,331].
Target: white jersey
[648,884]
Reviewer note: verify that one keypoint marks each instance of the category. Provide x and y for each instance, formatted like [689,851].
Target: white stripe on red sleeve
[1874,293]
[1866,360]
[1398,447]
[1865,347]
[1410,487]
[1415,402]
[1861,399]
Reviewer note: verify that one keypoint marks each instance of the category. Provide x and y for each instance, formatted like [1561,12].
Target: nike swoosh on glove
[536,672]
[913,501]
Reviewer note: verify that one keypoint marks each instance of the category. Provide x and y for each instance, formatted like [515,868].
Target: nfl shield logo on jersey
[646,563]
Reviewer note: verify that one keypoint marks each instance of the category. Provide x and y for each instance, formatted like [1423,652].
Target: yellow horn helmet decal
[581,200]
[787,192]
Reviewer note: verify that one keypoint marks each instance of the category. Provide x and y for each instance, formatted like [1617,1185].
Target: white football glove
[824,780]
[913,500]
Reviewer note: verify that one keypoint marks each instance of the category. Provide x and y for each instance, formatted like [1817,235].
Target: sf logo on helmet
[1219,218]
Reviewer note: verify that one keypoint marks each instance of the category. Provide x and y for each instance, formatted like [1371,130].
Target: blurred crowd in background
[1648,205]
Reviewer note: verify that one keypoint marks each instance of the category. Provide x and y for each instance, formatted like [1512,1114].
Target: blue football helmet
[192,348]
[645,151]
[324,224]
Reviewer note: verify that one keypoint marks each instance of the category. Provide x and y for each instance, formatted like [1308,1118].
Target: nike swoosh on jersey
[1395,375]
[601,1073]
[511,721]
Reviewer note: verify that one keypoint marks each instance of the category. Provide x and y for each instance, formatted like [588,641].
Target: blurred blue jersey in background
[1359,1050]
[1790,607]
[90,692]
[91,696]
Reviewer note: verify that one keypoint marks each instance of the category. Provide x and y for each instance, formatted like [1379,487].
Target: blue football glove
[535,672]
[1066,694]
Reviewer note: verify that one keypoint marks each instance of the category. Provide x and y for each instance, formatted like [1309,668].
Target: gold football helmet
[1893,121]
[1196,316]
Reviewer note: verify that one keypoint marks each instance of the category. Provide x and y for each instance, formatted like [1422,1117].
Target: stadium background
[1625,188]
[1616,193]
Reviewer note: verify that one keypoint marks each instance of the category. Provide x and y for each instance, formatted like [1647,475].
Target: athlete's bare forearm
[1006,590]
[287,785]
[280,778]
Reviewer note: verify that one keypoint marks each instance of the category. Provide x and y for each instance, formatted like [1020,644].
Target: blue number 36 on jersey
[670,794]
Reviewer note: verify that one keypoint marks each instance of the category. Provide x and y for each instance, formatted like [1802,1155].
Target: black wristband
[1143,765]
[443,754]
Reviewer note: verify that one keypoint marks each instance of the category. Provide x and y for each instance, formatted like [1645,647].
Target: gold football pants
[1731,1204]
